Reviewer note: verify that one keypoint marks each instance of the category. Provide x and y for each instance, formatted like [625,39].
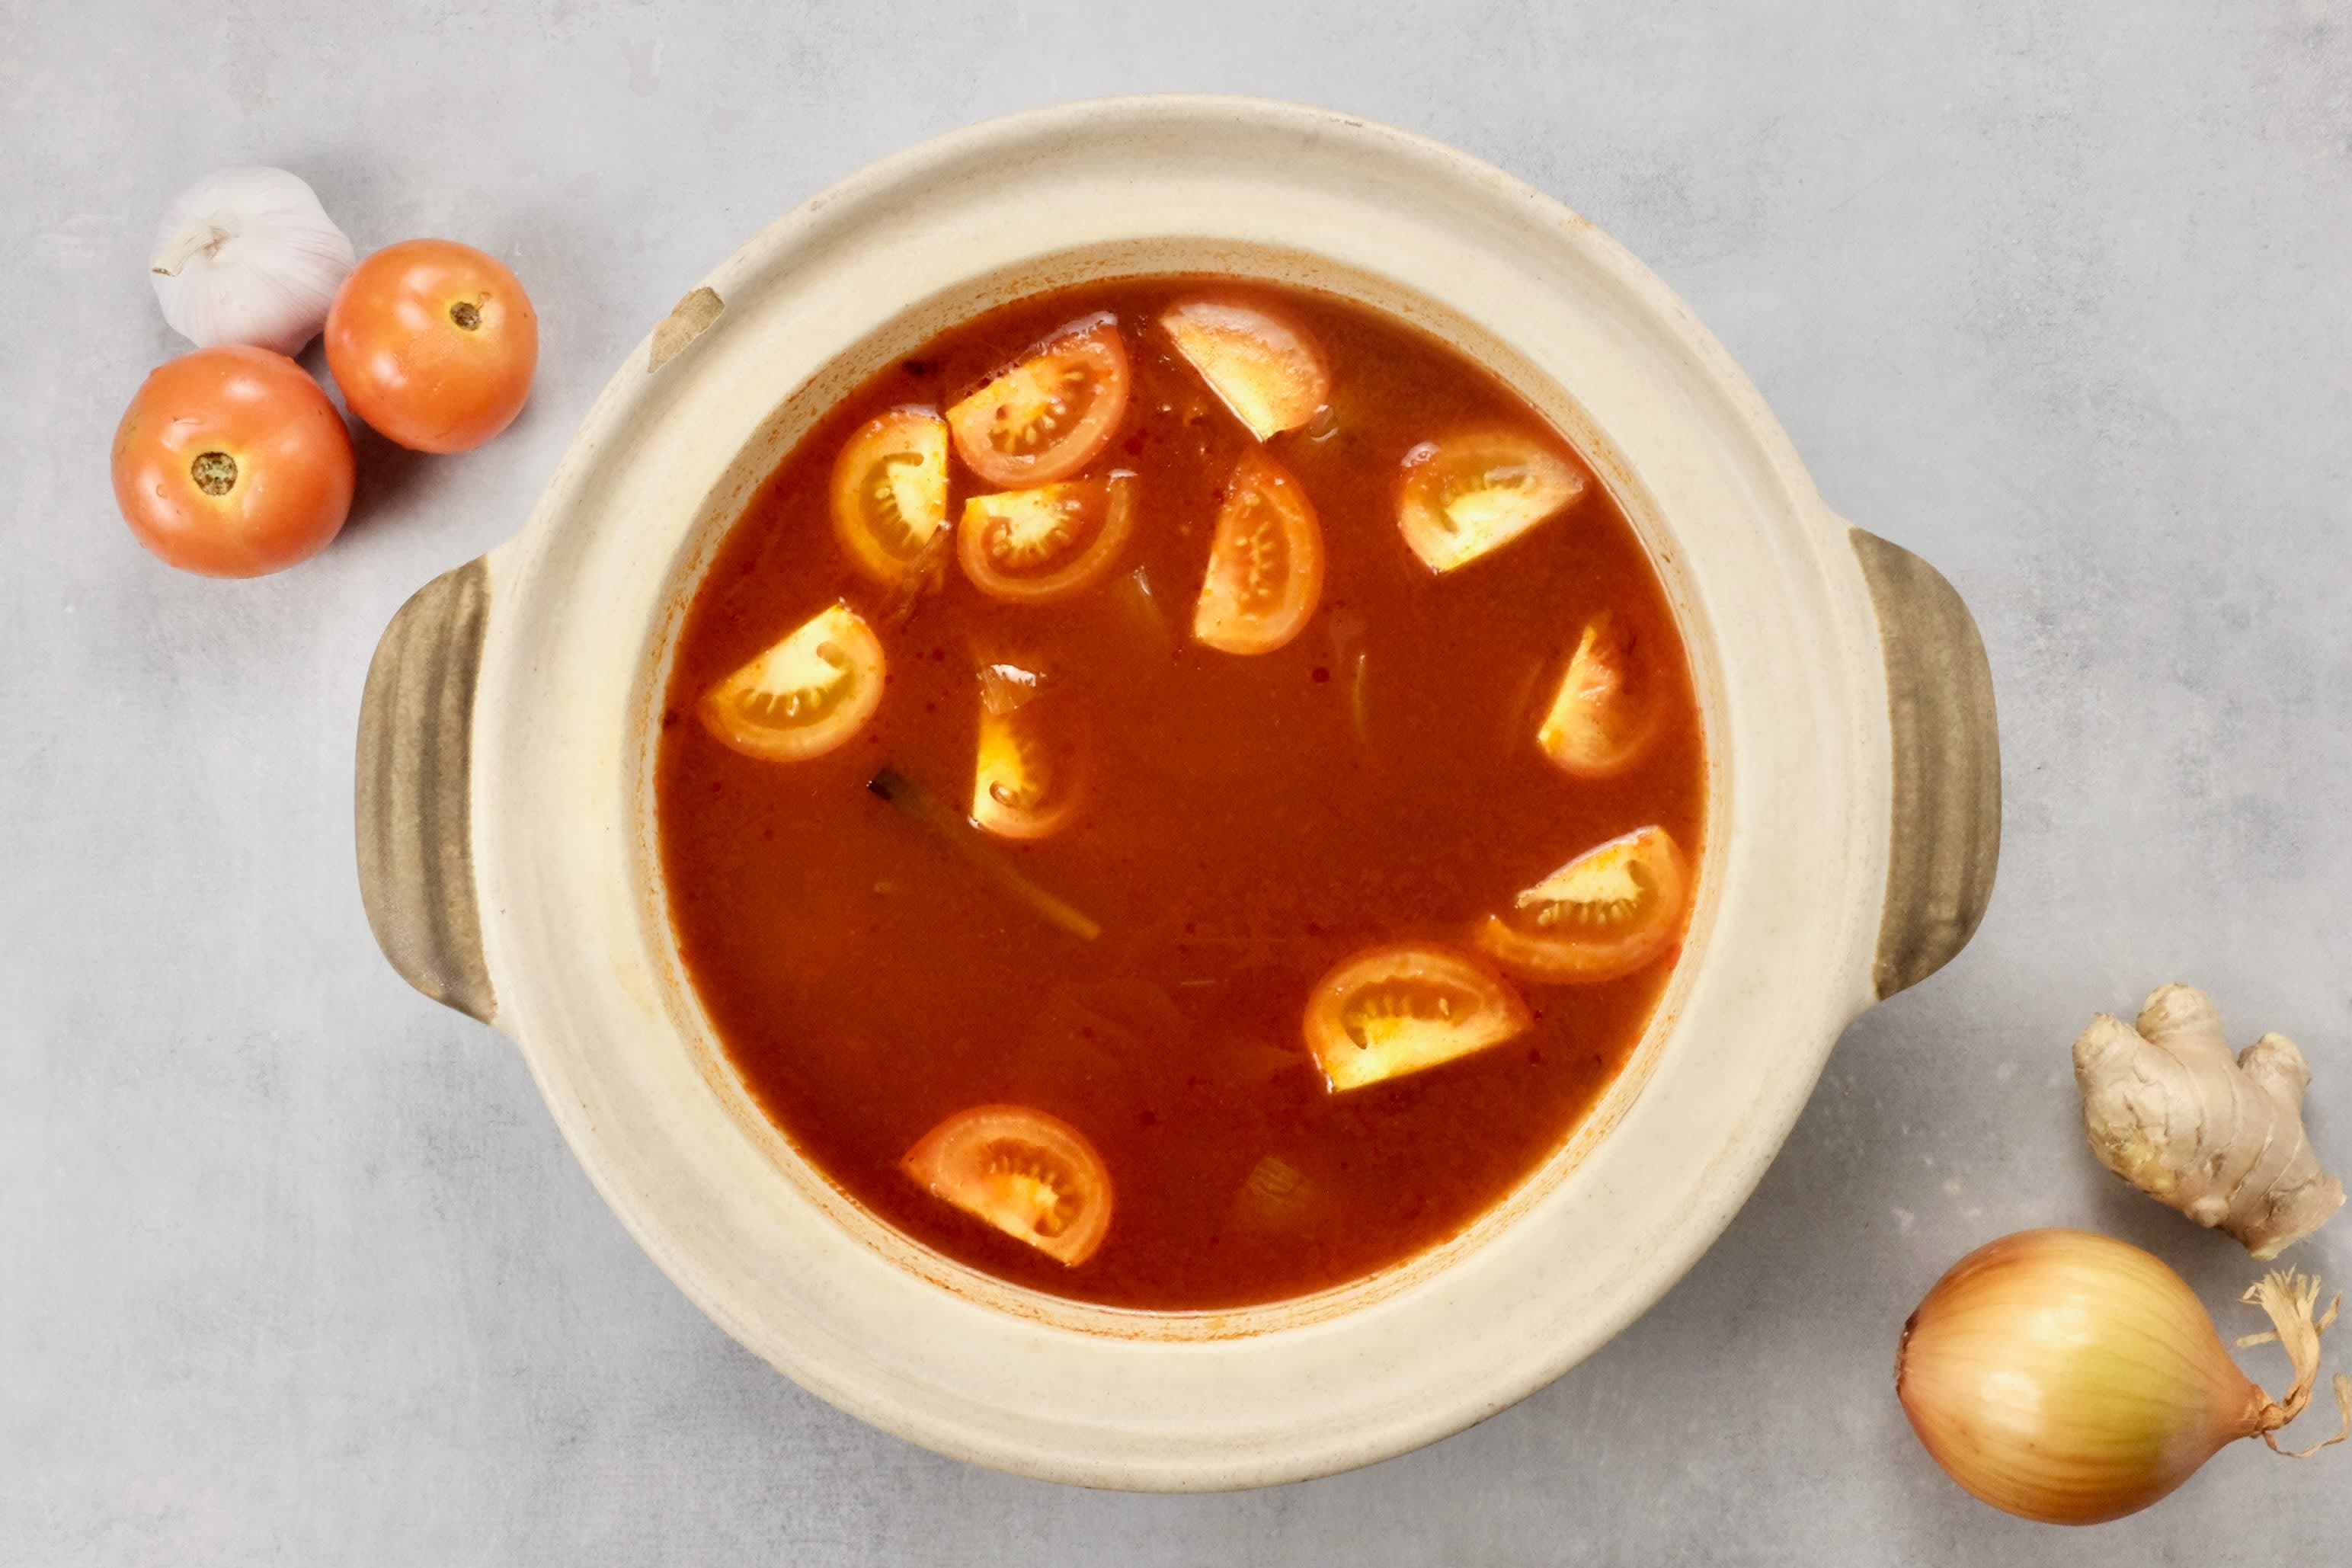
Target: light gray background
[294,1267]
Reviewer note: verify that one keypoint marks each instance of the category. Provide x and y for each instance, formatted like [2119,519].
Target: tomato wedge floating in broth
[1051,414]
[1405,1008]
[807,695]
[1615,908]
[1266,562]
[1601,715]
[890,493]
[1029,774]
[1467,496]
[1263,367]
[1037,545]
[1031,1175]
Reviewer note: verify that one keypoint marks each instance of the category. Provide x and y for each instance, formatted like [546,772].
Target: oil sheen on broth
[1180,793]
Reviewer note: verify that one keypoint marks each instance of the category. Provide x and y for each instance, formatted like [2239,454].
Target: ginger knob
[2220,1138]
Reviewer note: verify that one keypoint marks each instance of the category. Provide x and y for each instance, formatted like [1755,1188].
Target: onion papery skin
[2069,1378]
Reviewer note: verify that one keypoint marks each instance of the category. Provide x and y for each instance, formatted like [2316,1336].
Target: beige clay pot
[507,746]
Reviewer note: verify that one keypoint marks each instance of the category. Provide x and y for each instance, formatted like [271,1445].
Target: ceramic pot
[506,823]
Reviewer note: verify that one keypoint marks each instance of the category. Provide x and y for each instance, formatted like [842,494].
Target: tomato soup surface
[1048,944]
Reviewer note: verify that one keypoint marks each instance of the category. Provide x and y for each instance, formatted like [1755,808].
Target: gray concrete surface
[294,1267]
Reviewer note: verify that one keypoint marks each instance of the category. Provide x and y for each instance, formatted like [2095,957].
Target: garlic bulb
[247,256]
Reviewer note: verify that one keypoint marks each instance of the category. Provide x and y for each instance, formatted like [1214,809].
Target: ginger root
[2168,1111]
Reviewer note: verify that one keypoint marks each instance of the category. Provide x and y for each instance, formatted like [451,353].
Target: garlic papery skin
[248,255]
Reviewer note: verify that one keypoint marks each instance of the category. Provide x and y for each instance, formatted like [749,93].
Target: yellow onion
[2073,1378]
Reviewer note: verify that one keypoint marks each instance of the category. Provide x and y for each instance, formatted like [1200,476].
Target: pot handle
[1945,835]
[415,823]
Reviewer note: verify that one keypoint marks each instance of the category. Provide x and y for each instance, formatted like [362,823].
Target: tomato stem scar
[214,472]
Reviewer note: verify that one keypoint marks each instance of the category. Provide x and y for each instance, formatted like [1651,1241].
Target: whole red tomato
[433,343]
[233,463]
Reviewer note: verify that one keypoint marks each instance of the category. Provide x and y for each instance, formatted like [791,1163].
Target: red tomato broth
[1237,839]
